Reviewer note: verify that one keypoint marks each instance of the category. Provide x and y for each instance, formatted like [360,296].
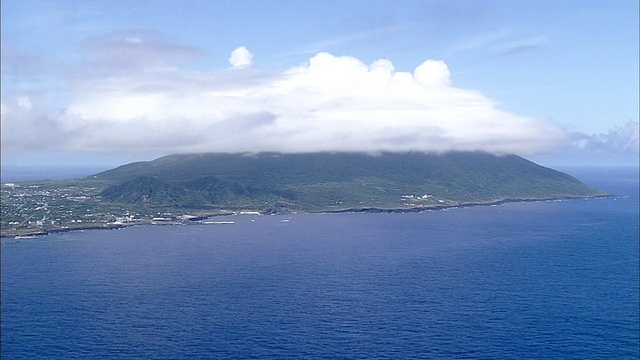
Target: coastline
[198,219]
[463,204]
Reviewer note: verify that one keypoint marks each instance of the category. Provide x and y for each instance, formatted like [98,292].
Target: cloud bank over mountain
[133,95]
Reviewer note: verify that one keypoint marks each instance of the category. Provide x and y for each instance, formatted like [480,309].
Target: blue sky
[105,82]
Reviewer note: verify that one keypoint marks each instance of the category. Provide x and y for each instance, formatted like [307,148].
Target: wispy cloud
[328,44]
[520,46]
[481,40]
[498,43]
[136,49]
[20,65]
[82,17]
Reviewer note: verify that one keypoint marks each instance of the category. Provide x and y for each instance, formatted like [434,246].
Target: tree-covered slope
[149,190]
[342,180]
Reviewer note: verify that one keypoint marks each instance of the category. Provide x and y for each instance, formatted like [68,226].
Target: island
[190,188]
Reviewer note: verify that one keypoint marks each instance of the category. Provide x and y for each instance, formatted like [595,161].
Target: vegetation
[207,184]
[345,180]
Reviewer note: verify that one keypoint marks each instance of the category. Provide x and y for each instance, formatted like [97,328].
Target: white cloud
[330,103]
[620,145]
[623,139]
[24,102]
[241,58]
[433,73]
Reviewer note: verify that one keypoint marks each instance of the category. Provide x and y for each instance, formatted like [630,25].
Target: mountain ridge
[273,182]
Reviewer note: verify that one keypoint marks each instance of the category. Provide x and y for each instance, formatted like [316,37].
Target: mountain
[336,181]
[149,190]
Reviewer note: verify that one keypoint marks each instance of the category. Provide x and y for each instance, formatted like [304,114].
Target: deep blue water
[544,280]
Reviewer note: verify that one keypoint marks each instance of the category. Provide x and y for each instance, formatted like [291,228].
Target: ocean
[536,280]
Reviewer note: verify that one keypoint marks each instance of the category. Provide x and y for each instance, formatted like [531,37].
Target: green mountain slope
[335,181]
[148,190]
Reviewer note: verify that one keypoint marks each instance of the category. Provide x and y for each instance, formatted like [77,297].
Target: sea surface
[16,173]
[538,280]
